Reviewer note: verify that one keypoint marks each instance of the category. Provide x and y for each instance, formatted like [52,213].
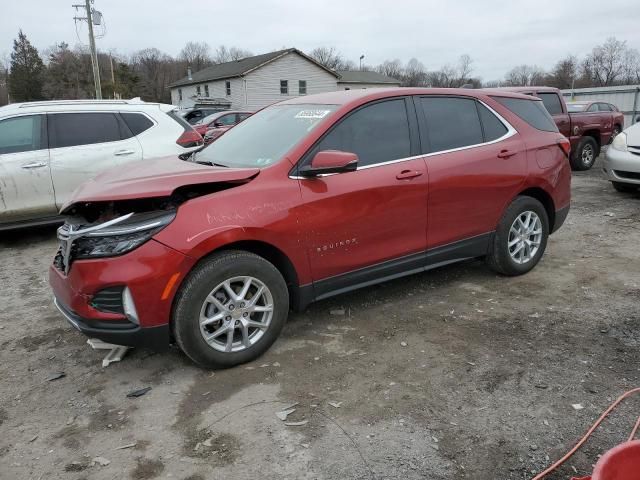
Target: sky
[498,35]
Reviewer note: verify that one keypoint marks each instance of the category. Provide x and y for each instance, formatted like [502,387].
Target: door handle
[506,154]
[407,174]
[121,153]
[34,165]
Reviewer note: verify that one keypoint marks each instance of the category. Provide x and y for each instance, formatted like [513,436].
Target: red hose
[589,432]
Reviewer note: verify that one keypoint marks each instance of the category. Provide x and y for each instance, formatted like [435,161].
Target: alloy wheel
[236,314]
[588,155]
[525,237]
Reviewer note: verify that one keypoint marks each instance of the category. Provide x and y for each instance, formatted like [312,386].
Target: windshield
[263,138]
[576,107]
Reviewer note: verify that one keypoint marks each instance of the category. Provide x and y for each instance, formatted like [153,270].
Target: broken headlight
[120,235]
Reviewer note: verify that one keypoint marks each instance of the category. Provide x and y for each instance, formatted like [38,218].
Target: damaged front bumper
[150,275]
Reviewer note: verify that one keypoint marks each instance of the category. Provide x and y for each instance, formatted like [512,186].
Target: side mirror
[330,161]
[218,124]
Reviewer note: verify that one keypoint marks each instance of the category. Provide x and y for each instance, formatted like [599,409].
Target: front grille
[629,175]
[108,300]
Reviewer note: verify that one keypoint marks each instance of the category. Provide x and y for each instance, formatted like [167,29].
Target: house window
[180,94]
[227,86]
[206,90]
[198,90]
[284,87]
[302,87]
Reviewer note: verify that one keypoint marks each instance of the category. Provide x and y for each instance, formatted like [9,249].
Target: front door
[26,191]
[86,144]
[369,223]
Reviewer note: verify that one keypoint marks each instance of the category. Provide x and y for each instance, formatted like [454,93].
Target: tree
[156,70]
[391,68]
[525,75]
[414,74]
[610,63]
[330,58]
[197,55]
[224,54]
[564,74]
[26,71]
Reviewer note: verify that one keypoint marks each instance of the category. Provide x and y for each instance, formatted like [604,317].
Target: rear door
[26,190]
[376,215]
[476,164]
[554,105]
[83,144]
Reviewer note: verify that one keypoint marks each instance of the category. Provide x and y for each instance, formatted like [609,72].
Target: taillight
[565,145]
[190,138]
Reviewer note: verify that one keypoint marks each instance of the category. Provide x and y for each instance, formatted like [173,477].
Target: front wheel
[230,309]
[585,154]
[520,239]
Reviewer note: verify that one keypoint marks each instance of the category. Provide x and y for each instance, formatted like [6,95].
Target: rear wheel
[230,309]
[624,187]
[584,156]
[520,239]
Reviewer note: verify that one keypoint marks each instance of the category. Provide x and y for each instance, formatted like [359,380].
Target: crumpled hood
[153,178]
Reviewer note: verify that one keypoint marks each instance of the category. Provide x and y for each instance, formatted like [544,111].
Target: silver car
[622,160]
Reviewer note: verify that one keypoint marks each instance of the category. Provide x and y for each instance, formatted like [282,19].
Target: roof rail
[81,102]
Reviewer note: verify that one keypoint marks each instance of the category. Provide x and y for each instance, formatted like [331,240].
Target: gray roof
[240,67]
[357,76]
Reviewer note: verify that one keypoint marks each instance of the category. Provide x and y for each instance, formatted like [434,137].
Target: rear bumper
[561,216]
[155,338]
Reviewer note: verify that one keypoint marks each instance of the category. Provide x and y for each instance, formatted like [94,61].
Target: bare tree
[609,63]
[525,75]
[196,54]
[565,73]
[414,74]
[454,76]
[391,68]
[224,54]
[157,70]
[330,58]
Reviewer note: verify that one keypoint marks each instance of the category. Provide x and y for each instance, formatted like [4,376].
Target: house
[362,79]
[255,82]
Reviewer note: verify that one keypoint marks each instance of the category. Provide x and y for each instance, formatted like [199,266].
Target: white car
[47,149]
[622,160]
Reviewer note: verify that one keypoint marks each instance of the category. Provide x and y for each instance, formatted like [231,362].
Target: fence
[625,97]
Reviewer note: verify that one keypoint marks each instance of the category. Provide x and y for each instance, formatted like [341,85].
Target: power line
[92,41]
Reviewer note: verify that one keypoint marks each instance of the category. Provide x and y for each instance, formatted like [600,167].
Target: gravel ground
[457,373]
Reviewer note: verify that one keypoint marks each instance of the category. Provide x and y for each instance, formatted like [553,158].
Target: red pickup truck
[588,127]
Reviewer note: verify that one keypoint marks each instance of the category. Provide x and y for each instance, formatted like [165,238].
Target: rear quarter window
[551,102]
[531,111]
[136,122]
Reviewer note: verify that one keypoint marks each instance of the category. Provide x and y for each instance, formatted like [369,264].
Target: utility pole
[92,46]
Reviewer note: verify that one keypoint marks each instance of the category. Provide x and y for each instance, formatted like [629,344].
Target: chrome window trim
[511,131]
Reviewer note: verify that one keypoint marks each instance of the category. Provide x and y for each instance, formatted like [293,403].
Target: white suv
[49,148]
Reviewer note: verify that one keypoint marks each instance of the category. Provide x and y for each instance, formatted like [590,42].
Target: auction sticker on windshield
[312,113]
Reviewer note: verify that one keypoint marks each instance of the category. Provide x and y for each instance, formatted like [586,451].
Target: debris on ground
[103,462]
[33,439]
[128,445]
[577,406]
[335,404]
[337,311]
[283,414]
[403,344]
[138,393]
[116,352]
[296,424]
[56,376]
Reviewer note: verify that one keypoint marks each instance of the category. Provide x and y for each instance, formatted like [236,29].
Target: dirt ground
[457,373]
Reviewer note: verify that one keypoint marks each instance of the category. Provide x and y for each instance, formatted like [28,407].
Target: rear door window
[451,122]
[136,122]
[71,129]
[531,111]
[22,134]
[376,133]
[492,127]
[551,102]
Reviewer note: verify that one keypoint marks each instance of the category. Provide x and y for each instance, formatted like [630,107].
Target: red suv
[306,199]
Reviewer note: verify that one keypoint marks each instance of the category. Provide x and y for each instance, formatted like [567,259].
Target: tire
[499,257]
[624,187]
[616,131]
[584,156]
[195,298]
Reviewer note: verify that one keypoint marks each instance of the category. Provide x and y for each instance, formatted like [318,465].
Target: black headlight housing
[121,237]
